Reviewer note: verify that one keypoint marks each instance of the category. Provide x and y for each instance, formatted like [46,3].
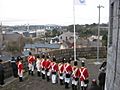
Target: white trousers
[20,74]
[38,68]
[43,71]
[48,73]
[83,84]
[74,82]
[31,67]
[54,77]
[61,77]
[67,80]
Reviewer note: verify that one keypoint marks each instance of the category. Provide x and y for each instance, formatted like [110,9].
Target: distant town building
[40,32]
[41,48]
[67,36]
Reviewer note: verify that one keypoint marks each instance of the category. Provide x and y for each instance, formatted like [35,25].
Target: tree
[55,32]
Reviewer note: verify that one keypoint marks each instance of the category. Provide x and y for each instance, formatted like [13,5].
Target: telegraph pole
[98,40]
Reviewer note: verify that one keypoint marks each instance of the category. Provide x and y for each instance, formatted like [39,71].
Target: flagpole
[74,30]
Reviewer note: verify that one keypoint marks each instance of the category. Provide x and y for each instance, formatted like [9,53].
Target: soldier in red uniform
[84,76]
[54,69]
[67,71]
[47,68]
[61,71]
[42,66]
[31,61]
[75,76]
[38,66]
[20,69]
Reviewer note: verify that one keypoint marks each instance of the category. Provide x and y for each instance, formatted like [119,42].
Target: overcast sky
[20,12]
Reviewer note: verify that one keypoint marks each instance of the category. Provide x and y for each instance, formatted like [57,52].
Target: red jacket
[42,63]
[83,73]
[20,67]
[67,68]
[47,64]
[54,67]
[75,72]
[31,59]
[60,68]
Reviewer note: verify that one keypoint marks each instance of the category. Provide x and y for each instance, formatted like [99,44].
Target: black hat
[75,63]
[54,59]
[19,58]
[1,60]
[47,56]
[30,53]
[83,63]
[43,56]
[38,56]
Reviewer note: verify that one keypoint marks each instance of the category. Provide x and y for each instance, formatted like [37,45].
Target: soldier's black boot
[43,76]
[29,72]
[48,78]
[82,88]
[32,73]
[73,87]
[38,73]
[61,82]
[85,88]
[66,85]
[20,79]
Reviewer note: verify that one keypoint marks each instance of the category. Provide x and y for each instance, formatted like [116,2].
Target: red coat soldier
[67,71]
[84,76]
[42,66]
[38,65]
[31,61]
[20,69]
[54,69]
[75,76]
[47,68]
[61,72]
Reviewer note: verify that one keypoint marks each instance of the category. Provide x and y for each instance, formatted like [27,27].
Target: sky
[60,12]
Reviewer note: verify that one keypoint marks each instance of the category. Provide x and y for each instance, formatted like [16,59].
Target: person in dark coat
[14,67]
[103,66]
[101,79]
[1,73]
[94,85]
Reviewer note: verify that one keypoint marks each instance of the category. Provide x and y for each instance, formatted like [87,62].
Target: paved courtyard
[36,83]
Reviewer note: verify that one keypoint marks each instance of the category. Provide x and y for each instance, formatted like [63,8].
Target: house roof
[51,46]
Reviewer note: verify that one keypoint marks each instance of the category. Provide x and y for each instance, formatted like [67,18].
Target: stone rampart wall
[90,52]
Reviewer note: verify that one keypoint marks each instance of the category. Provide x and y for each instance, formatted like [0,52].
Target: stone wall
[89,52]
[113,56]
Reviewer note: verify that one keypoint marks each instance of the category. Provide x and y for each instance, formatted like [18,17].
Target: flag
[79,2]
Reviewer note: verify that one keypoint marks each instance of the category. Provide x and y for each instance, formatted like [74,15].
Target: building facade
[113,56]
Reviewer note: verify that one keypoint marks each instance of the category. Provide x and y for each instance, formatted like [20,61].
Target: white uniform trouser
[83,84]
[31,67]
[38,68]
[43,72]
[67,79]
[74,82]
[20,74]
[61,77]
[49,73]
[54,77]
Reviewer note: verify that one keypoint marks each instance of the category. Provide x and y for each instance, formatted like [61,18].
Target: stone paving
[36,83]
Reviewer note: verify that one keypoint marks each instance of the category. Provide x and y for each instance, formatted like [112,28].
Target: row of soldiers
[49,69]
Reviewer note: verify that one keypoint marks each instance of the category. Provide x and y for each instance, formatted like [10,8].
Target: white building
[40,32]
